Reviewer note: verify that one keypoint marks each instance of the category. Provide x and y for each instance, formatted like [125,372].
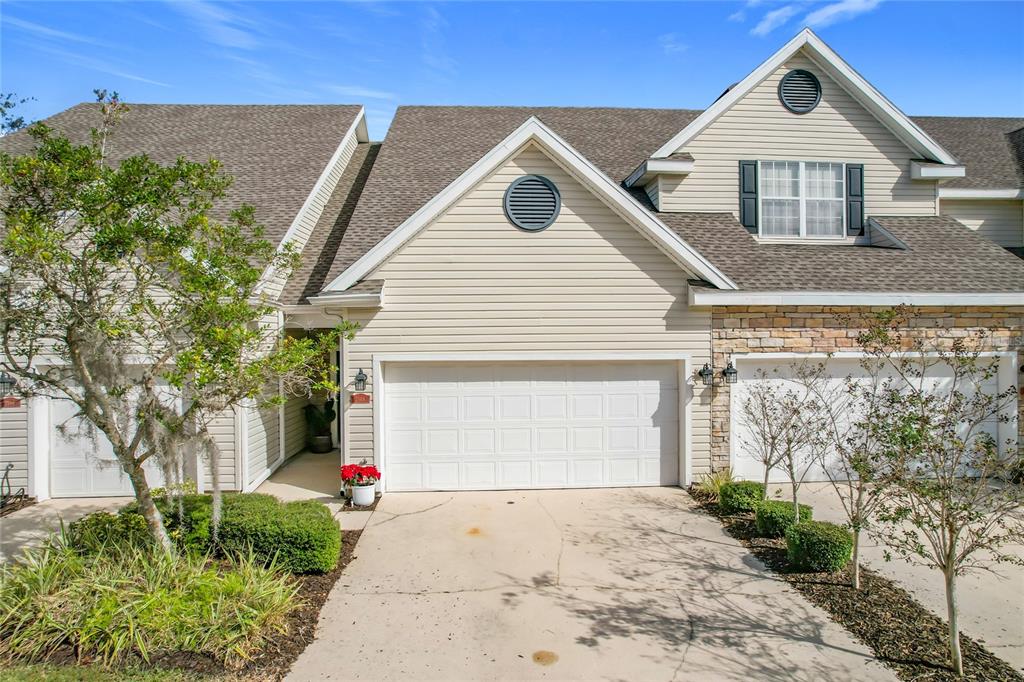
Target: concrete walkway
[629,584]
[314,476]
[28,527]
[991,602]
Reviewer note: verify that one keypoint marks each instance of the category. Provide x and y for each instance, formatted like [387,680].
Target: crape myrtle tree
[780,420]
[948,500]
[121,293]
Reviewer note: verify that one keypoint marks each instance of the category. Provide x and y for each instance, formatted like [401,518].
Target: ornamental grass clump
[123,603]
[818,546]
[740,496]
[772,518]
[709,487]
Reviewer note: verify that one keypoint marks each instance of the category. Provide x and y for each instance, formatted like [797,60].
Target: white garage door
[469,426]
[751,370]
[82,463]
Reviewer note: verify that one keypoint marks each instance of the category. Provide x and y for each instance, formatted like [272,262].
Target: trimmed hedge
[819,546]
[302,537]
[97,531]
[774,517]
[740,496]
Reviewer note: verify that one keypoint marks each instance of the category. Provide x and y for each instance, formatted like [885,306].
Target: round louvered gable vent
[800,91]
[532,202]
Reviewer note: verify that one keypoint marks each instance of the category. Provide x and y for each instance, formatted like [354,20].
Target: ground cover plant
[740,496]
[772,518]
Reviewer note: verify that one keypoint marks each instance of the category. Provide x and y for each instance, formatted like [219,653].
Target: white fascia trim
[347,300]
[852,298]
[535,131]
[907,130]
[925,170]
[958,193]
[653,167]
[359,131]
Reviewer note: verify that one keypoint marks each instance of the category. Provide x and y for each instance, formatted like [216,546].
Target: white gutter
[958,193]
[926,170]
[852,298]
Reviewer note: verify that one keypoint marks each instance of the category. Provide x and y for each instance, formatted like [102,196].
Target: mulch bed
[904,635]
[16,504]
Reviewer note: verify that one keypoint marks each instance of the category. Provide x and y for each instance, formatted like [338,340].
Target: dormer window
[802,199]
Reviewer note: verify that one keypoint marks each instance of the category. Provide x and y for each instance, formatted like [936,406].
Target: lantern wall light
[360,381]
[7,384]
[709,375]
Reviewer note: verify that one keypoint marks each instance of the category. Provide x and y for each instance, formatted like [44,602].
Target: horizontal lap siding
[294,425]
[222,428]
[759,127]
[264,441]
[472,282]
[1000,221]
[14,444]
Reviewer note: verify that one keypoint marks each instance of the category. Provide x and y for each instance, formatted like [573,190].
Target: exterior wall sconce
[7,384]
[708,376]
[360,381]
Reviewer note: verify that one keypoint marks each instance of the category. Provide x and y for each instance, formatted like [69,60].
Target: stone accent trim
[825,329]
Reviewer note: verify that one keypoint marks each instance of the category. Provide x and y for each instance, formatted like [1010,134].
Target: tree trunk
[952,613]
[764,493]
[796,506]
[149,511]
[217,501]
[856,558]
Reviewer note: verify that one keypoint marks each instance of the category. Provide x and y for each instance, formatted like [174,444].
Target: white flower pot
[362,495]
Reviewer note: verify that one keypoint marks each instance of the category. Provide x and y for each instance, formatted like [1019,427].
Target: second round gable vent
[532,202]
[800,91]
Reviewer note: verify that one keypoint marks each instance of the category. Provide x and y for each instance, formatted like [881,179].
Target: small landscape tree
[123,294]
[948,500]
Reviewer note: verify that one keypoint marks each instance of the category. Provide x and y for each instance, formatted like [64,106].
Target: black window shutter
[854,199]
[748,195]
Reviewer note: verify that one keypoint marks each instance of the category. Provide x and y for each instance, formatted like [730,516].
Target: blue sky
[939,58]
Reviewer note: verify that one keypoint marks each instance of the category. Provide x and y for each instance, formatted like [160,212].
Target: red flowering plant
[358,474]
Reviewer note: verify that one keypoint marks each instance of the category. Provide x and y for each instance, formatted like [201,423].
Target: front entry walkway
[28,527]
[620,584]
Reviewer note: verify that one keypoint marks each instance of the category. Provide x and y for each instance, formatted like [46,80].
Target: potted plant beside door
[362,480]
[319,420]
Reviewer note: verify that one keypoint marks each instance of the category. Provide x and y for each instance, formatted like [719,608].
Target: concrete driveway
[28,527]
[628,584]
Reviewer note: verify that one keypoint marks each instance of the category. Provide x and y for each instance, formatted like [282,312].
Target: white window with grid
[802,199]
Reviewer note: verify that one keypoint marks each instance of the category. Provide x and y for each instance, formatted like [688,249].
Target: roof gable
[843,74]
[534,131]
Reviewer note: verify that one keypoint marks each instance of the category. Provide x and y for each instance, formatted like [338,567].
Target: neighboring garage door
[82,463]
[473,426]
[752,369]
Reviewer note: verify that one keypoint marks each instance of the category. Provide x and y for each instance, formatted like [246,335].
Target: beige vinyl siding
[1000,221]
[222,428]
[263,441]
[758,127]
[294,425]
[306,220]
[653,189]
[472,282]
[14,444]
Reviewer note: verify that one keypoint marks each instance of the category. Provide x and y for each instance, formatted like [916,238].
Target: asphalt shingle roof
[275,153]
[991,149]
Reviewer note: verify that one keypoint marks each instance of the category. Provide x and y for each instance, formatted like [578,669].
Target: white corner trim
[959,193]
[925,170]
[852,298]
[380,362]
[356,130]
[532,130]
[653,167]
[38,427]
[908,131]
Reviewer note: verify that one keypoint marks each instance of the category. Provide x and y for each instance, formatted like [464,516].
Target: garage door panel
[514,425]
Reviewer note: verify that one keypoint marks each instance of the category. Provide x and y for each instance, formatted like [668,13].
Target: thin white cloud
[738,16]
[360,92]
[46,32]
[434,52]
[220,25]
[670,44]
[774,19]
[843,10]
[99,66]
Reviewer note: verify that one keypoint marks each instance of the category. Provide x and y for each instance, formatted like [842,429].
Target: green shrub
[773,517]
[93,533]
[116,605]
[818,546]
[301,536]
[740,496]
[709,486]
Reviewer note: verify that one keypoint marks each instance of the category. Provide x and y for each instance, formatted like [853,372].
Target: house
[539,289]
